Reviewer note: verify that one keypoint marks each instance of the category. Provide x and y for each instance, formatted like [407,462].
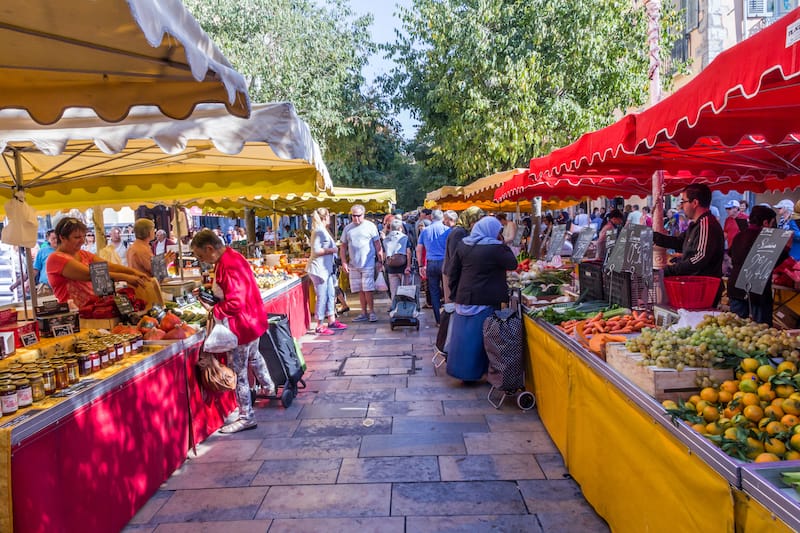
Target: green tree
[296,51]
[496,82]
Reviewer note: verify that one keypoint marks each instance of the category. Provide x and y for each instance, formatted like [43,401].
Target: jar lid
[7,388]
[35,375]
[60,366]
[19,383]
[20,375]
[71,361]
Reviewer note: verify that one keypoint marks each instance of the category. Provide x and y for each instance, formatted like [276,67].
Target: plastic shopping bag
[221,339]
[380,282]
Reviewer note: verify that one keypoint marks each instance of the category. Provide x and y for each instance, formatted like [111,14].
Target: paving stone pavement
[380,441]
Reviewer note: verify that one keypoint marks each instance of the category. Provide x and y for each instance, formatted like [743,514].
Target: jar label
[9,403]
[24,396]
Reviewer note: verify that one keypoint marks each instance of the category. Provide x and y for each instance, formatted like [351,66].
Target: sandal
[239,425]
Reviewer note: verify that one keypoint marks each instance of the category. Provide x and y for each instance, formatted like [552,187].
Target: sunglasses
[356,215]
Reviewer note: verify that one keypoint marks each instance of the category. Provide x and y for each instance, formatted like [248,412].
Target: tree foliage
[295,51]
[496,82]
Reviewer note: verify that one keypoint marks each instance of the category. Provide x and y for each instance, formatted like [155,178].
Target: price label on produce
[616,258]
[102,284]
[29,339]
[761,259]
[638,257]
[557,236]
[158,264]
[124,305]
[584,240]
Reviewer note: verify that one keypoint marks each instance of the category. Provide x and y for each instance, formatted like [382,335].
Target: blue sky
[382,32]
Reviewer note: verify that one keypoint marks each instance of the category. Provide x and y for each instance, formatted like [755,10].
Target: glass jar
[137,342]
[24,392]
[94,357]
[62,382]
[104,362]
[73,371]
[8,399]
[37,386]
[49,377]
[84,364]
[119,346]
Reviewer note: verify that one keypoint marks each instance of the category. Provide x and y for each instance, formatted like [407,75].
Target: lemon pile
[755,417]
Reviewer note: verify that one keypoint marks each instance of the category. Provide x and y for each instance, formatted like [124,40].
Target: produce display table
[290,299]
[625,452]
[89,462]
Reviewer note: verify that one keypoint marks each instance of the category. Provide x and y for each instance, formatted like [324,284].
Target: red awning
[733,126]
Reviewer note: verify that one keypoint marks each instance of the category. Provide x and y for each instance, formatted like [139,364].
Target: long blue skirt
[466,356]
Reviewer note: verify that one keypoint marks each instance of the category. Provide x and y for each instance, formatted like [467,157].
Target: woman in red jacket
[238,301]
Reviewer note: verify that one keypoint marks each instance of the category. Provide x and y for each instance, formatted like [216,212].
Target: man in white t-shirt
[635,217]
[361,246]
[581,219]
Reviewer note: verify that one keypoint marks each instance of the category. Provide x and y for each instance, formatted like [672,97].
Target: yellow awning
[484,188]
[455,197]
[337,201]
[108,56]
[151,159]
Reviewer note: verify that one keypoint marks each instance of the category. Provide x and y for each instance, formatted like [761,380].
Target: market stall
[733,129]
[117,433]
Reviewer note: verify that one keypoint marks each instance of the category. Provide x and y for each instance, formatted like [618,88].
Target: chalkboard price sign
[101,280]
[616,258]
[158,263]
[557,236]
[584,240]
[761,259]
[639,254]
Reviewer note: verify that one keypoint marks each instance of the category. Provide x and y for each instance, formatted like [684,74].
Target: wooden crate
[661,383]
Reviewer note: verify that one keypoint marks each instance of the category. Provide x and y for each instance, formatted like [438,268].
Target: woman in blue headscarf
[477,277]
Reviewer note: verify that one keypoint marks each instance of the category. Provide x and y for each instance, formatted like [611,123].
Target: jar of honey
[24,392]
[37,386]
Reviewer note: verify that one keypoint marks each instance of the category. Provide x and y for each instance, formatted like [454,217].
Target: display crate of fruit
[661,383]
[772,484]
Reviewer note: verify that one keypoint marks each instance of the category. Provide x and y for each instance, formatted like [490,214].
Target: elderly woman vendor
[68,265]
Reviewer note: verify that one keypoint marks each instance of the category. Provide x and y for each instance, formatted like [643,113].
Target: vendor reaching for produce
[702,245]
[68,266]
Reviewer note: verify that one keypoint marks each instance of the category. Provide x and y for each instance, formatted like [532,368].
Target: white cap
[785,204]
[731,203]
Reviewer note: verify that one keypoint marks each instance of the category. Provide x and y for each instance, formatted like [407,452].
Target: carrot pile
[621,324]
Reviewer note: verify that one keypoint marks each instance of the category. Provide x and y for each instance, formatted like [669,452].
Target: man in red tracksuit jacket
[703,244]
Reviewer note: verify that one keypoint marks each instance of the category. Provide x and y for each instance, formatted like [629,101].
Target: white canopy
[148,158]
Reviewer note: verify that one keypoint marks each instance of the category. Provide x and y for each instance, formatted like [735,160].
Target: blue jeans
[326,296]
[762,312]
[433,269]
